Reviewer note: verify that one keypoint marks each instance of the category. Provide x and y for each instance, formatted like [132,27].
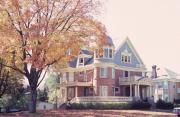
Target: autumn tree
[4,77]
[36,34]
[8,80]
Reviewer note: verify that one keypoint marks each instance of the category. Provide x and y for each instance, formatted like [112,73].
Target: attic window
[126,57]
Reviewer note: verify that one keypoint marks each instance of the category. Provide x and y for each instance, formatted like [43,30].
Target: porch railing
[101,99]
[135,80]
[76,83]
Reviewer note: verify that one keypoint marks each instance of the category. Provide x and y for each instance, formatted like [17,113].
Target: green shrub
[100,106]
[140,105]
[164,105]
[177,101]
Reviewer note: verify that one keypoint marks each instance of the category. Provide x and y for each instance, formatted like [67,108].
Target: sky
[153,27]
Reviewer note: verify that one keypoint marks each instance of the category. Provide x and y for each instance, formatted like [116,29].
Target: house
[166,85]
[113,76]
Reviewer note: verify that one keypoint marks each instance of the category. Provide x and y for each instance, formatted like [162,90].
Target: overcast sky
[153,26]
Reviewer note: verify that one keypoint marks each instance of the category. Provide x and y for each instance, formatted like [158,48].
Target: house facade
[113,76]
[166,85]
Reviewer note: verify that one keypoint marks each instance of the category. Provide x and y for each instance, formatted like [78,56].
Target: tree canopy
[36,34]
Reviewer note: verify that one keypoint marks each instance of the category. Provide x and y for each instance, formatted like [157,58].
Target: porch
[136,86]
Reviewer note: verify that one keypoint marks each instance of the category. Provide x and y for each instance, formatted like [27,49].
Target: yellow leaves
[45,30]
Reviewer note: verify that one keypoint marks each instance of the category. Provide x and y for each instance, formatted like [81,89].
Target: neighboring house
[166,85]
[52,87]
[113,76]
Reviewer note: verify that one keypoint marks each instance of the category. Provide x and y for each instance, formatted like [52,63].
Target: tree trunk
[32,103]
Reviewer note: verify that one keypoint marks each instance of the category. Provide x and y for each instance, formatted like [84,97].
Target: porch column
[150,91]
[135,90]
[130,90]
[138,92]
[76,91]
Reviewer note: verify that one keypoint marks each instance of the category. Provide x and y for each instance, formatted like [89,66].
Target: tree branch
[43,76]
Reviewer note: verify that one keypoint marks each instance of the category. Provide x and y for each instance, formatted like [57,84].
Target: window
[71,93]
[110,53]
[122,58]
[71,76]
[103,91]
[126,58]
[81,61]
[165,84]
[115,90]
[129,59]
[64,77]
[81,74]
[103,72]
[126,74]
[113,73]
[106,53]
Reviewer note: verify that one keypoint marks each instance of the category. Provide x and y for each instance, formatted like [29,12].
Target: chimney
[154,71]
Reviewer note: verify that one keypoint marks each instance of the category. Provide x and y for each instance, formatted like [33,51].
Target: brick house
[114,76]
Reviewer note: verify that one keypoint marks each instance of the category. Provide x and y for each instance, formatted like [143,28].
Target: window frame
[124,73]
[126,57]
[105,71]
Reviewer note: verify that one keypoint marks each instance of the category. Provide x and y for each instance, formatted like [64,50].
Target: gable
[127,47]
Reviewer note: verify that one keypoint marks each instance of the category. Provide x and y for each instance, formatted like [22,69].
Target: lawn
[91,113]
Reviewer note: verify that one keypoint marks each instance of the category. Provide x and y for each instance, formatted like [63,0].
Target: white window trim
[105,71]
[129,57]
[101,90]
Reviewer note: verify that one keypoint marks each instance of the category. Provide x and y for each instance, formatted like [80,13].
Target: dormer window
[107,52]
[81,61]
[126,57]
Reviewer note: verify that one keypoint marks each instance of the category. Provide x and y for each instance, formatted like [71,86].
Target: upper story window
[113,73]
[71,76]
[103,72]
[126,57]
[126,74]
[110,53]
[106,52]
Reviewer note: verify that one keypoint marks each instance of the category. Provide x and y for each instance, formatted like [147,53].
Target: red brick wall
[81,77]
[105,81]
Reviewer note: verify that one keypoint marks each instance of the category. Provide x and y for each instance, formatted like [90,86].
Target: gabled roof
[73,63]
[110,41]
[87,61]
[83,51]
[127,40]
[165,72]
